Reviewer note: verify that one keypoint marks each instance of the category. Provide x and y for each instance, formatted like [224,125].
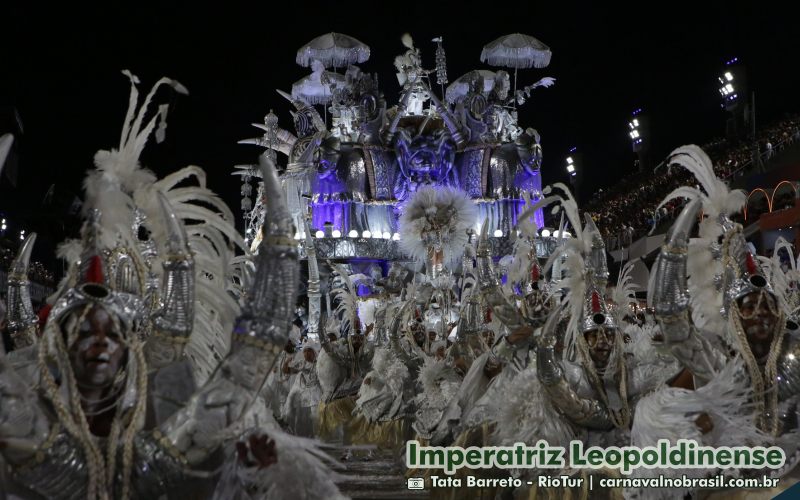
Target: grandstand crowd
[627,211]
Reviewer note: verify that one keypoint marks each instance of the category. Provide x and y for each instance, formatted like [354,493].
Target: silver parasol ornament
[318,87]
[334,50]
[516,51]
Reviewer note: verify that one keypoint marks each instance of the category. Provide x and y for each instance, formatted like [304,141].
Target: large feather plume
[625,291]
[518,270]
[441,213]
[346,295]
[439,382]
[119,185]
[574,251]
[526,414]
[118,172]
[717,198]
[702,266]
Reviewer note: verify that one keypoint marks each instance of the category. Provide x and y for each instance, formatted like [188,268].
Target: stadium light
[336,233]
[498,233]
[353,233]
[636,130]
[319,234]
[571,165]
[727,88]
[366,234]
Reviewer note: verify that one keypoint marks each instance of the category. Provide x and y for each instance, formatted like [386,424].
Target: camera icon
[416,483]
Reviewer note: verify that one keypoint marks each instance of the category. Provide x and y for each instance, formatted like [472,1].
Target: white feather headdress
[120,185]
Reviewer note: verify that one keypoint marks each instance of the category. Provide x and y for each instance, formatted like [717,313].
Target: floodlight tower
[573,165]
[733,90]
[638,131]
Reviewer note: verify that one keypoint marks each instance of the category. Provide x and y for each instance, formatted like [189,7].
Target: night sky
[62,67]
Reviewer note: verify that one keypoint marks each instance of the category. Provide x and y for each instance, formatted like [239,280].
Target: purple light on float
[532,183]
[332,212]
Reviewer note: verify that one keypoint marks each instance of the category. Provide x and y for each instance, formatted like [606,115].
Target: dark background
[61,72]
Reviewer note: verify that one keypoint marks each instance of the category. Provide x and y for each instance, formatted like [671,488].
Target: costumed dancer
[85,433]
[736,340]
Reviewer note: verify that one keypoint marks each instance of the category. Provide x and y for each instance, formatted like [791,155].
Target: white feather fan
[441,214]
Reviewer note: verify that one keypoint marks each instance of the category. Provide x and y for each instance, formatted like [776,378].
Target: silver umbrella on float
[333,50]
[516,51]
[318,87]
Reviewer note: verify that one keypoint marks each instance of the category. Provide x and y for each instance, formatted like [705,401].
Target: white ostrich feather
[301,459]
[640,345]
[521,262]
[388,367]
[776,278]
[702,266]
[118,172]
[670,412]
[408,42]
[69,250]
[443,213]
[525,413]
[705,299]
[625,291]
[717,199]
[575,251]
[347,307]
[438,381]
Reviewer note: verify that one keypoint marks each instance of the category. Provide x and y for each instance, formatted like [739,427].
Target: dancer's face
[600,341]
[758,313]
[98,353]
[309,355]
